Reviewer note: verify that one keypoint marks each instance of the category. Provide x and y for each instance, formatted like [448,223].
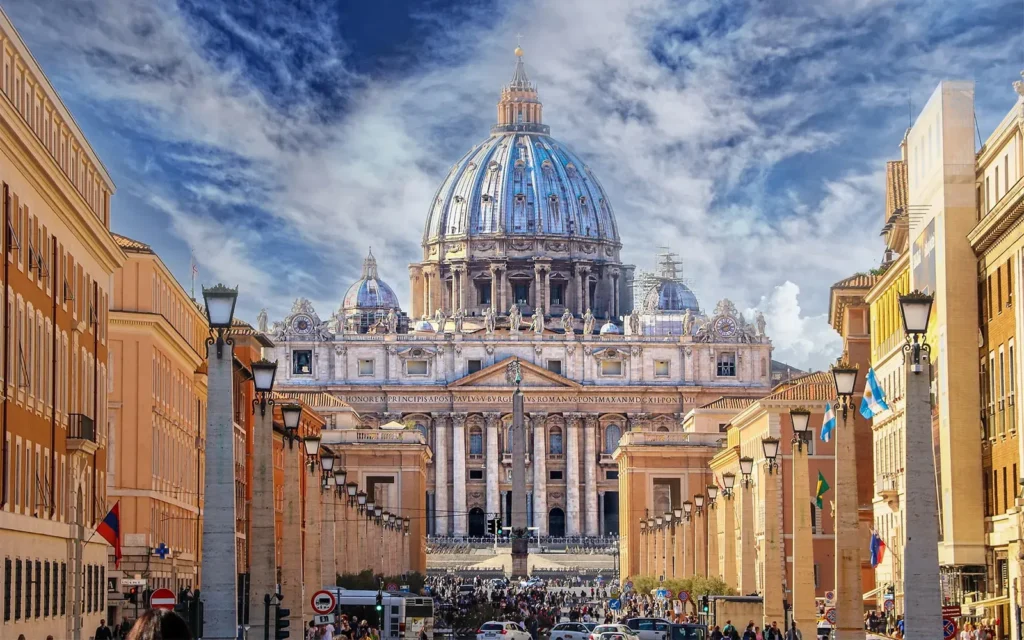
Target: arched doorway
[476,523]
[556,523]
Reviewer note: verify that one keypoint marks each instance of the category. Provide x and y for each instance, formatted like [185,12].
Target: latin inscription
[503,398]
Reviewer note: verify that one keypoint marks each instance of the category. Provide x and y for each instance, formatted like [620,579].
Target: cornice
[165,331]
[895,270]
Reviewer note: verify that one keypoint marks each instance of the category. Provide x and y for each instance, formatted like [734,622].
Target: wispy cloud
[748,136]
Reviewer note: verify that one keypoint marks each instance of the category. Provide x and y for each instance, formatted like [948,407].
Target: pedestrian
[327,632]
[776,633]
[158,624]
[793,633]
[748,633]
[311,631]
[716,633]
[103,632]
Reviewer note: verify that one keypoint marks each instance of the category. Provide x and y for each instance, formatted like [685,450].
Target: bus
[404,615]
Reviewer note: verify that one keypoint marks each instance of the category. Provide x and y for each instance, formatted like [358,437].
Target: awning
[873,594]
[991,602]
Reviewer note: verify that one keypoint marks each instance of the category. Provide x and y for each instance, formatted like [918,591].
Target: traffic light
[281,621]
[703,604]
[380,601]
[133,595]
[491,524]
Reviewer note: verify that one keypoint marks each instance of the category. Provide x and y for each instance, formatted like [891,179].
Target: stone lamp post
[804,609]
[849,590]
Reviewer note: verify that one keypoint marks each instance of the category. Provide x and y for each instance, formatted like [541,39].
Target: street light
[729,481]
[712,495]
[771,451]
[698,501]
[800,418]
[405,525]
[687,510]
[650,524]
[643,526]
[746,468]
[361,501]
[326,466]
[351,488]
[312,446]
[263,373]
[220,312]
[658,520]
[916,309]
[845,377]
[678,513]
[377,511]
[369,508]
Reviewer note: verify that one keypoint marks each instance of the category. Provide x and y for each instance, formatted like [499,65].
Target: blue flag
[873,402]
[828,425]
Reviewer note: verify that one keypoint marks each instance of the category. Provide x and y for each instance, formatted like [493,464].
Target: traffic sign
[162,599]
[948,628]
[662,593]
[404,588]
[323,602]
[830,615]
[830,598]
[323,619]
[614,605]
[391,587]
[628,586]
[951,612]
[684,596]
[889,605]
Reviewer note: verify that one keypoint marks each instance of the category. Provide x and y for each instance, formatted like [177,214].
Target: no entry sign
[323,602]
[162,599]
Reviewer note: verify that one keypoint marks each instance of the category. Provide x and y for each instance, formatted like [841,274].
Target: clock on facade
[725,326]
[302,324]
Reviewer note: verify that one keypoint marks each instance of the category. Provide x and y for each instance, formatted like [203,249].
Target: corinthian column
[590,475]
[495,288]
[493,465]
[459,475]
[442,507]
[540,470]
[578,291]
[587,304]
[774,548]
[547,291]
[291,536]
[700,553]
[538,288]
[572,474]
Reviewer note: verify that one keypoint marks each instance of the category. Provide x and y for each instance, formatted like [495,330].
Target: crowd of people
[754,632]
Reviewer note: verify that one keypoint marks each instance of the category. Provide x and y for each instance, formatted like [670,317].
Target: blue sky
[278,140]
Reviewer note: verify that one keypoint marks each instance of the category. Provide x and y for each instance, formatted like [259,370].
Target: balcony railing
[371,436]
[81,433]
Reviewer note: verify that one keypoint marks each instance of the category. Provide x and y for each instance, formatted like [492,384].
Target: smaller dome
[671,295]
[369,292]
[610,329]
[424,326]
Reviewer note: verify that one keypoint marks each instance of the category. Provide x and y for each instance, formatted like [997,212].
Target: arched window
[663,429]
[476,442]
[423,430]
[611,438]
[555,441]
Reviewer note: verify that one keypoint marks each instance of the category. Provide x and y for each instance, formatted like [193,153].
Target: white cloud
[803,341]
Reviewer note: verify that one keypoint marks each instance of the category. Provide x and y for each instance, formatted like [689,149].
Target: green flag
[822,488]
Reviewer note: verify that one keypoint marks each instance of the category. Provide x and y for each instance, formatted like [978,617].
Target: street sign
[162,599]
[614,605]
[404,588]
[889,605]
[948,628]
[323,602]
[324,619]
[684,596]
[662,593]
[133,582]
[830,598]
[391,587]
[830,615]
[628,586]
[951,612]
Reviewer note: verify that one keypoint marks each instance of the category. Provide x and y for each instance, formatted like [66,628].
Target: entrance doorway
[477,526]
[556,523]
[611,513]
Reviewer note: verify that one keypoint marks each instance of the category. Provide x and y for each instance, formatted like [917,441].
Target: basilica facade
[521,261]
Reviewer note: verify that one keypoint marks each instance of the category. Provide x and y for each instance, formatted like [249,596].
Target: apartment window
[723,427]
[990,314]
[995,491]
[611,475]
[611,367]
[476,474]
[557,293]
[17,590]
[988,495]
[814,518]
[555,475]
[1006,492]
[1002,393]
[520,291]
[28,589]
[727,364]
[483,292]
[1009,282]
[1006,171]
[988,194]
[46,589]
[416,367]
[365,367]
[474,365]
[88,589]
[817,584]
[302,361]
[999,290]
[555,366]
[555,441]
[63,587]
[56,581]
[997,184]
[661,368]
[476,442]
[39,587]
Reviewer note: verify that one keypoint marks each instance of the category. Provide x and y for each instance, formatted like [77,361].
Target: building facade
[60,258]
[157,418]
[521,261]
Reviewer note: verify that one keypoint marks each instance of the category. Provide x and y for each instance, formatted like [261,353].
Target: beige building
[55,201]
[157,417]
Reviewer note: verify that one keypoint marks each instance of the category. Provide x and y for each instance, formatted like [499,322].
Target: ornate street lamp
[650,524]
[845,377]
[916,309]
[263,374]
[678,514]
[405,525]
[339,476]
[659,521]
[351,488]
[291,412]
[687,510]
[800,418]
[643,526]
[220,311]
[770,446]
[361,501]
[312,447]
[698,501]
[370,506]
[712,495]
[746,468]
[729,481]
[377,511]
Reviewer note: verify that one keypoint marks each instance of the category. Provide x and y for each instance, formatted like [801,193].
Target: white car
[651,628]
[495,630]
[570,631]
[613,632]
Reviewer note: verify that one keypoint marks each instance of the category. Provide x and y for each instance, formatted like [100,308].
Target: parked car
[824,630]
[650,628]
[499,583]
[613,632]
[570,631]
[495,630]
[466,588]
[687,631]
[532,582]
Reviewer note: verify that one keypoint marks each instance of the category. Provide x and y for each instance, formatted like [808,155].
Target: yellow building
[56,203]
[157,420]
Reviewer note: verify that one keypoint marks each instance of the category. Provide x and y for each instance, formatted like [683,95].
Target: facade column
[529,509]
[505,306]
[711,522]
[312,547]
[465,294]
[459,475]
[538,282]
[773,558]
[921,598]
[666,549]
[849,604]
[590,475]
[600,513]
[291,537]
[495,288]
[587,304]
[220,557]
[615,293]
[700,553]
[689,553]
[746,562]
[505,515]
[263,557]
[727,533]
[540,480]
[804,607]
[493,464]
[578,290]
[442,507]
[641,554]
[572,475]
[547,291]
[658,568]
[679,551]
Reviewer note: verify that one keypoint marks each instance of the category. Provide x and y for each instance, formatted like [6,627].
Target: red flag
[110,530]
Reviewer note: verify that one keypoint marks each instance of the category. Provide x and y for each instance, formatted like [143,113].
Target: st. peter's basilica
[521,259]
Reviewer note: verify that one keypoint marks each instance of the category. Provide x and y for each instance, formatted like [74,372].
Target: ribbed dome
[369,292]
[672,296]
[521,184]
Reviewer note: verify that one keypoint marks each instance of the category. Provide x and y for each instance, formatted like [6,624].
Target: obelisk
[520,533]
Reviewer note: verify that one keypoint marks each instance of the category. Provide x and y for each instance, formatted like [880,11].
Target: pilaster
[442,504]
[263,556]
[459,473]
[804,609]
[291,538]
[590,475]
[493,464]
[773,560]
[572,474]
[540,480]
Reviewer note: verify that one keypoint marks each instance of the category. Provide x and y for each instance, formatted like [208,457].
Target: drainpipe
[7,342]
[53,383]
[95,385]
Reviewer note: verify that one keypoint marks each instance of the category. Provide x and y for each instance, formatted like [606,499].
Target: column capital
[458,267]
[393,416]
[492,418]
[440,415]
[494,268]
[459,419]
[590,420]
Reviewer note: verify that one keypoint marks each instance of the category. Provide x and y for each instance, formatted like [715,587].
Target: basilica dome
[671,295]
[369,292]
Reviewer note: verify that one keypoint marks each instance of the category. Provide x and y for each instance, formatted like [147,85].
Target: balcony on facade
[372,436]
[81,434]
[887,487]
[670,438]
[506,459]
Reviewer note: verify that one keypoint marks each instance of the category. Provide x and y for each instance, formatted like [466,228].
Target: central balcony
[81,434]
